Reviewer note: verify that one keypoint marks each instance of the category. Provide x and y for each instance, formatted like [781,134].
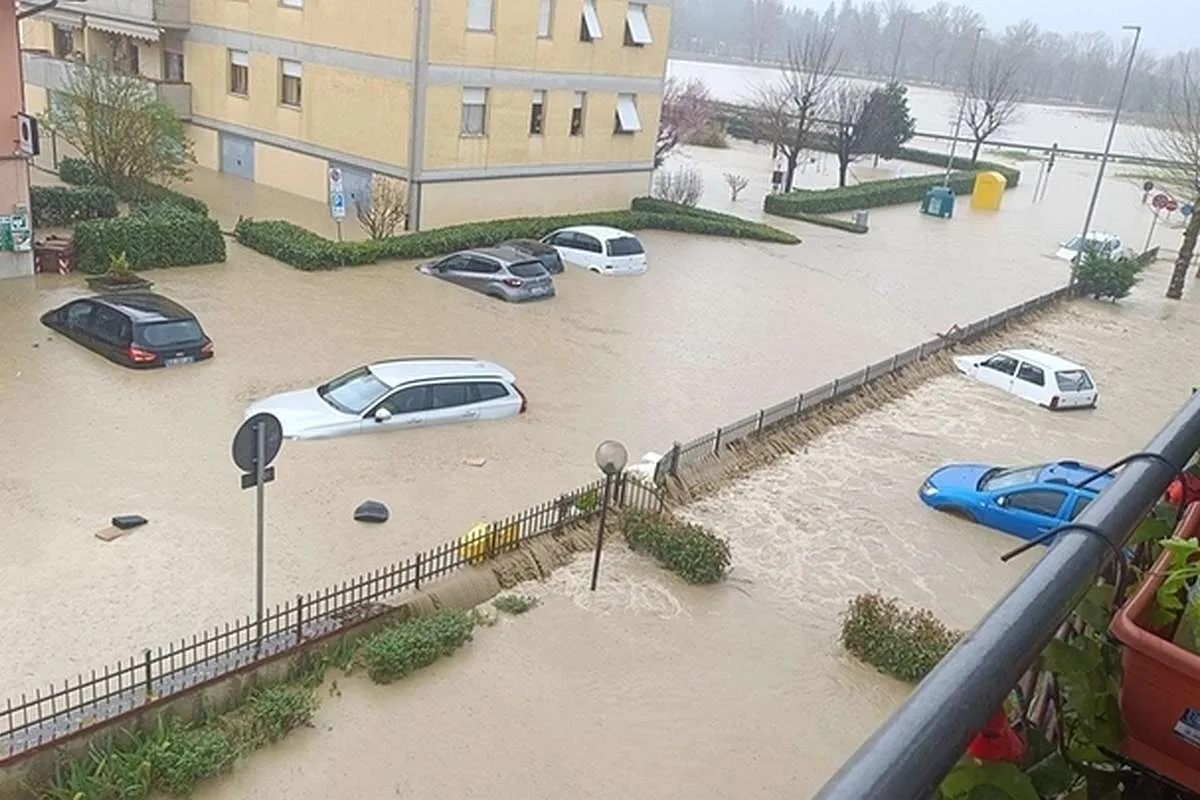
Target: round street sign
[1187,209]
[1160,201]
[335,175]
[1148,186]
[245,441]
[1172,205]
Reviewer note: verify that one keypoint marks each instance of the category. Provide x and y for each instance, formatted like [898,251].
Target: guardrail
[711,445]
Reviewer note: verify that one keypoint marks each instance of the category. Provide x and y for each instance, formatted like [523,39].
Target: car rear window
[625,246]
[1073,380]
[170,334]
[527,269]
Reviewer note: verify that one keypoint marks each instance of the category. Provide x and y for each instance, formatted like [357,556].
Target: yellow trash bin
[989,191]
[481,542]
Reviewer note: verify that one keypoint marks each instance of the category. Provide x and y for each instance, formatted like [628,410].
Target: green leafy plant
[303,249]
[66,205]
[169,237]
[1172,598]
[905,643]
[119,270]
[407,646]
[1103,277]
[182,756]
[588,501]
[79,172]
[271,713]
[515,603]
[688,550]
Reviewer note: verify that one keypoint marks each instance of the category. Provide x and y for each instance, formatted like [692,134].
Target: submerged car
[1024,501]
[397,394]
[500,272]
[133,329]
[599,249]
[1042,378]
[1106,243]
[532,248]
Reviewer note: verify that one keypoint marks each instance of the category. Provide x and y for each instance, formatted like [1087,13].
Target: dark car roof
[144,306]
[505,255]
[531,246]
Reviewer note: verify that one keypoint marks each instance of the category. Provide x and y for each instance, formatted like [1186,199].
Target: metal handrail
[909,755]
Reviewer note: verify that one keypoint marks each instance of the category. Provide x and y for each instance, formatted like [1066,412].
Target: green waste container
[938,202]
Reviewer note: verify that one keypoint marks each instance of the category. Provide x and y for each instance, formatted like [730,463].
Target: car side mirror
[382,415]
[1001,501]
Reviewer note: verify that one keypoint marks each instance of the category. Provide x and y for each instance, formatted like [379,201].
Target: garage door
[237,156]
[356,185]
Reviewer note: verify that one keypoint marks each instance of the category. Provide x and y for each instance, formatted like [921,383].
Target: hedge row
[66,205]
[164,237]
[934,159]
[870,194]
[905,643]
[847,225]
[306,250]
[690,551]
[80,173]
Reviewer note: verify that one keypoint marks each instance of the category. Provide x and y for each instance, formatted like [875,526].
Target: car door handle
[470,414]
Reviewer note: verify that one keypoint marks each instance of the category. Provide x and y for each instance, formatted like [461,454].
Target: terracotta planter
[1160,684]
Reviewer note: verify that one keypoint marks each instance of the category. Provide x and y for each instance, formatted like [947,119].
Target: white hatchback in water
[599,249]
[397,394]
[1041,378]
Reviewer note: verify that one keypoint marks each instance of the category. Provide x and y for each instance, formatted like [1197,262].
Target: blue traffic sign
[1187,210]
[337,205]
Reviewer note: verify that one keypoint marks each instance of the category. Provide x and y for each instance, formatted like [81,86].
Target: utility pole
[896,61]
[962,107]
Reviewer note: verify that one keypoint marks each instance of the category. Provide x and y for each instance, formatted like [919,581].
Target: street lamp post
[896,61]
[962,106]
[611,457]
[1112,132]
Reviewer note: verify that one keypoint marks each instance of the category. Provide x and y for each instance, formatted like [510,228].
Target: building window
[64,41]
[474,111]
[479,15]
[545,19]
[637,27]
[577,112]
[627,119]
[537,113]
[290,82]
[589,24]
[173,67]
[239,72]
[292,3]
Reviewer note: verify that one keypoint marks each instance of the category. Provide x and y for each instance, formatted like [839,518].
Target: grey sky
[1168,25]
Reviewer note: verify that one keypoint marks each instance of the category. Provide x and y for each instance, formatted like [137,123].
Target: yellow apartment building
[519,107]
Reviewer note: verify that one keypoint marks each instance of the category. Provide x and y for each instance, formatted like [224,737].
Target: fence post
[146,662]
[717,443]
[758,425]
[920,351]
[799,404]
[866,375]
[417,566]
[674,470]
[299,618]
[491,539]
[836,381]
[892,366]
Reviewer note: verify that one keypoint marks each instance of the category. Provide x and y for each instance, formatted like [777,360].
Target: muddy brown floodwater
[652,689]
[714,330]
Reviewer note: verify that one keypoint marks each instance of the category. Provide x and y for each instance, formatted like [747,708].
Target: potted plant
[120,277]
[1160,686]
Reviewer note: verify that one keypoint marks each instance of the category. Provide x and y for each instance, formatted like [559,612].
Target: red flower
[998,741]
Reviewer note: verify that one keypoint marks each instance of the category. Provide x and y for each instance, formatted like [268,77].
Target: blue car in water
[1024,501]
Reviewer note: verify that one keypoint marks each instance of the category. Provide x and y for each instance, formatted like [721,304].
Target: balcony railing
[910,754]
[44,70]
[164,13]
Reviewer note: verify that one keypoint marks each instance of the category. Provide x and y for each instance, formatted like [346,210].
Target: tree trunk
[975,152]
[1187,248]
[843,168]
[792,162]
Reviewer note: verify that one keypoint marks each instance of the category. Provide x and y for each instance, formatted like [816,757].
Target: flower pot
[102,283]
[1160,684]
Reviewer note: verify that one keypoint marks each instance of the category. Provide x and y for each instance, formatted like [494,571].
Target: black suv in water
[135,329]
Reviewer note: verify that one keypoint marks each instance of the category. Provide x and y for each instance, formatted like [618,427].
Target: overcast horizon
[1167,26]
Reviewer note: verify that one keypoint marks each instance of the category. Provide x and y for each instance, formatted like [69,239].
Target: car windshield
[1073,380]
[527,269]
[1000,478]
[170,334]
[625,246]
[353,392]
[1072,243]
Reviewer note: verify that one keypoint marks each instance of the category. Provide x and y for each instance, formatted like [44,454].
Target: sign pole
[1150,234]
[260,431]
[339,230]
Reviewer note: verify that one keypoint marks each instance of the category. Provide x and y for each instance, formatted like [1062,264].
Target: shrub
[848,225]
[903,643]
[933,159]
[870,194]
[306,250]
[515,603]
[273,712]
[80,173]
[66,205]
[405,647]
[77,171]
[183,756]
[711,135]
[1103,276]
[168,237]
[688,550]
[683,185]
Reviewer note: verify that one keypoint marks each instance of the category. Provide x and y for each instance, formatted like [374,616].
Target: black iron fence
[60,710]
[711,445]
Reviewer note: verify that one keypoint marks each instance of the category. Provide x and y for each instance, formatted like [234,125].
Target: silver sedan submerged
[499,272]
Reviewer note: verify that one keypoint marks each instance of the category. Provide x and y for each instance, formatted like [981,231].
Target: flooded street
[651,689]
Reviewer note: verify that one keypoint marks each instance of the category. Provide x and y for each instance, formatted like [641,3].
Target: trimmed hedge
[80,173]
[848,225]
[166,237]
[690,551]
[306,250]
[870,194]
[66,205]
[933,159]
[905,643]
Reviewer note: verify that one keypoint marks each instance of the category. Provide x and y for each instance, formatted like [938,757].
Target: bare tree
[684,185]
[737,184]
[992,97]
[847,109]
[787,109]
[687,108]
[384,214]
[1176,139]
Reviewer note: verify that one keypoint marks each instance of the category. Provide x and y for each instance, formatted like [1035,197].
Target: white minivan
[599,249]
[1041,378]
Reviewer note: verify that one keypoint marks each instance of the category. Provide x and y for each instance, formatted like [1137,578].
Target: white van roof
[397,371]
[1049,361]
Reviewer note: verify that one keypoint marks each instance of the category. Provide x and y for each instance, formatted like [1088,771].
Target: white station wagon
[397,394]
[1041,378]
[599,249]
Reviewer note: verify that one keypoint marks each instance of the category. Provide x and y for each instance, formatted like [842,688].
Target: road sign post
[337,199]
[255,446]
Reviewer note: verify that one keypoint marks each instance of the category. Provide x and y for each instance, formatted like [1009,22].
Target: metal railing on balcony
[910,754]
[41,68]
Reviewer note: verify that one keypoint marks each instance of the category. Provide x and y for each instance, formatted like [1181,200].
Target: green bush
[870,194]
[1104,277]
[848,225]
[183,756]
[963,163]
[168,237]
[80,173]
[407,646]
[77,171]
[688,550]
[515,603]
[66,205]
[306,250]
[271,713]
[903,643]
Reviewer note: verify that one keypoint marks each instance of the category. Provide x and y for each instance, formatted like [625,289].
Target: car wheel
[961,513]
